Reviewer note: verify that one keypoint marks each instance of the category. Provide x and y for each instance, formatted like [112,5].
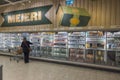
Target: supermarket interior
[82,36]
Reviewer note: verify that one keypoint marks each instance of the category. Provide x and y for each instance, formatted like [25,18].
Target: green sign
[32,16]
[72,16]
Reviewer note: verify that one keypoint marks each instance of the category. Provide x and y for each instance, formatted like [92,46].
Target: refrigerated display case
[47,43]
[60,48]
[76,46]
[42,43]
[47,39]
[95,47]
[35,38]
[113,47]
[9,41]
[16,39]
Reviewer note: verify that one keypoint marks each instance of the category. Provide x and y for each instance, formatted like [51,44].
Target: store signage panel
[32,16]
[72,16]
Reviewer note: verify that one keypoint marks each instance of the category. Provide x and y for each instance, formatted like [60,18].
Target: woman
[26,49]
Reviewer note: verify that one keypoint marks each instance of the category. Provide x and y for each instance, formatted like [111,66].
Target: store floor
[36,70]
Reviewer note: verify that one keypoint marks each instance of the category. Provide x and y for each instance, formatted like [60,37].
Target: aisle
[36,70]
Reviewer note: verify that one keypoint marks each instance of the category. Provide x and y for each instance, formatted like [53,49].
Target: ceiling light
[29,1]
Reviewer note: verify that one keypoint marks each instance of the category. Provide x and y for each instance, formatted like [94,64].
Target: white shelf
[75,39]
[59,47]
[76,35]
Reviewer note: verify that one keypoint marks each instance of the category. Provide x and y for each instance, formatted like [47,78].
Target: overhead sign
[32,16]
[69,2]
[72,16]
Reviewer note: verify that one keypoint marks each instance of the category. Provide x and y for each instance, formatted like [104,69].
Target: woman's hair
[24,38]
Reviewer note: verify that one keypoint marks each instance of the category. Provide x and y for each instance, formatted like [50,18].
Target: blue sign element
[69,2]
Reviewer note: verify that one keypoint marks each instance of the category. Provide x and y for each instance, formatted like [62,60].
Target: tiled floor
[36,70]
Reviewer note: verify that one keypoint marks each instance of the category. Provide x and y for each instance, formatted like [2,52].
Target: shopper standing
[26,49]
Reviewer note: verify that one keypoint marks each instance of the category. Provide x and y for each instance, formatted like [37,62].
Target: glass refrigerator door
[47,43]
[10,41]
[95,47]
[35,38]
[60,45]
[118,58]
[113,47]
[76,46]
